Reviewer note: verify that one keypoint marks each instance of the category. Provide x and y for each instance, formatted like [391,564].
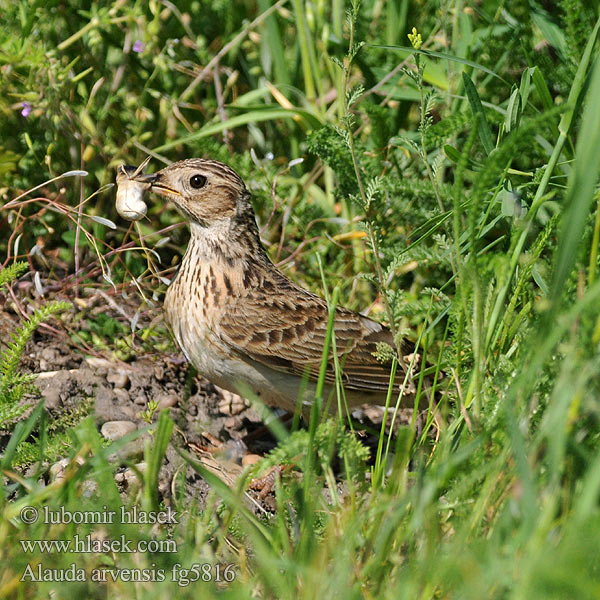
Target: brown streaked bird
[239,320]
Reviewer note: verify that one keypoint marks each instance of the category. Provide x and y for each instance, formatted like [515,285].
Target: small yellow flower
[415,38]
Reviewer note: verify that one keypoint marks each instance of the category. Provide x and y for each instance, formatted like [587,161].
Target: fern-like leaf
[11,272]
[13,385]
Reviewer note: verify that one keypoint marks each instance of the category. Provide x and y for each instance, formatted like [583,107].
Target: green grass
[451,187]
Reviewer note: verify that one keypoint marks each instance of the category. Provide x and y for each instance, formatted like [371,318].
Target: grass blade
[254,116]
[431,53]
[485,133]
[585,174]
[162,435]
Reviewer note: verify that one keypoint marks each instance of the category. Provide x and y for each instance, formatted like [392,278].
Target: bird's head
[205,192]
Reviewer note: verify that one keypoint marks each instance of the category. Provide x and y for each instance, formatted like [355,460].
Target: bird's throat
[225,241]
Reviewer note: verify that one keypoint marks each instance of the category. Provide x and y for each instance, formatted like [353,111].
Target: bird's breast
[192,306]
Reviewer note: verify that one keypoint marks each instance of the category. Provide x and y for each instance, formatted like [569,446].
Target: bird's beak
[155,180]
[159,186]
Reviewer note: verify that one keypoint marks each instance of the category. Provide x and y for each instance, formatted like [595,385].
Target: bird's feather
[284,326]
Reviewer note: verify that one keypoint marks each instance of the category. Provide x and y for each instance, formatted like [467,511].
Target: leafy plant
[451,175]
[14,385]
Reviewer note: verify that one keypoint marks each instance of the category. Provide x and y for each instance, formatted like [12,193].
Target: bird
[242,323]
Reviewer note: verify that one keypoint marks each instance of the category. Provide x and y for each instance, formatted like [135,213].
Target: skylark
[238,319]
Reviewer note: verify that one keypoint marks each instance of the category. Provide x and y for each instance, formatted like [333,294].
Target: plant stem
[422,132]
[363,195]
[303,40]
[594,248]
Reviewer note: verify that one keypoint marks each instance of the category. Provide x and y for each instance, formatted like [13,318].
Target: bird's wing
[286,331]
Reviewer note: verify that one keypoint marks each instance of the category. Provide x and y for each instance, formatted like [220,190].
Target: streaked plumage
[238,319]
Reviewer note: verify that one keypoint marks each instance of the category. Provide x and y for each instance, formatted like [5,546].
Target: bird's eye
[197,181]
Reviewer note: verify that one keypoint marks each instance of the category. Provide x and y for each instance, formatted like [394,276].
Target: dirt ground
[219,428]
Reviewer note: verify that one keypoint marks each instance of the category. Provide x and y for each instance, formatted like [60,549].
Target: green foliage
[578,18]
[56,434]
[11,272]
[13,385]
[327,144]
[331,440]
[447,187]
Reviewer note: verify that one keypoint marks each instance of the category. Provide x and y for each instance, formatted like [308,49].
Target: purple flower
[138,46]
[26,109]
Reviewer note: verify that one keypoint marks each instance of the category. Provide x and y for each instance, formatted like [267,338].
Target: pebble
[132,478]
[122,395]
[250,459]
[167,400]
[131,450]
[230,403]
[47,359]
[129,477]
[57,473]
[141,400]
[58,469]
[89,488]
[100,365]
[49,354]
[115,430]
[118,379]
[234,451]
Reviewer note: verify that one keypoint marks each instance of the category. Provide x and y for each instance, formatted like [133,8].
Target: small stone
[167,400]
[230,403]
[229,423]
[89,488]
[374,413]
[122,395]
[115,430]
[141,400]
[132,477]
[57,470]
[118,379]
[55,386]
[49,354]
[234,451]
[131,450]
[250,459]
[100,366]
[112,405]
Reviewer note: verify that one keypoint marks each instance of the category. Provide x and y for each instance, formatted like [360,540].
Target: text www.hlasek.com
[89,543]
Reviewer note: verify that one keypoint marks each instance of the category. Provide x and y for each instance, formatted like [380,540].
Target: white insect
[130,191]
